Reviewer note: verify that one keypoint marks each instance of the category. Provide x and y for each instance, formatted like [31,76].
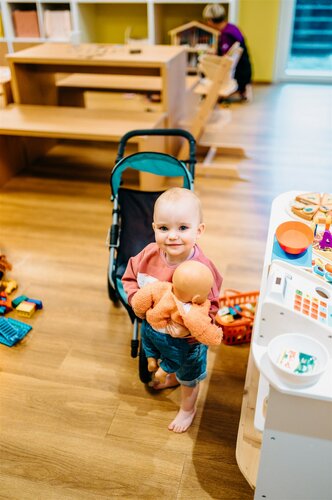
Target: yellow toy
[10,286]
[183,301]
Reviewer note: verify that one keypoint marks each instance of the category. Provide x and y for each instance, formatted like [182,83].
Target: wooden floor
[76,423]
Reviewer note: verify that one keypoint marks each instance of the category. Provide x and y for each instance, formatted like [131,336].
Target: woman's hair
[214,12]
[175,194]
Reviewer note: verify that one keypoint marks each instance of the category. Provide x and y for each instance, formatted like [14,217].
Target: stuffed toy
[183,301]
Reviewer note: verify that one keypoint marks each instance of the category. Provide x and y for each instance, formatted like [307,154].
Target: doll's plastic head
[192,282]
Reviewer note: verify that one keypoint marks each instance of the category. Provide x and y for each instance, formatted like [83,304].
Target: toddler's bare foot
[160,375]
[182,421]
[170,381]
[152,364]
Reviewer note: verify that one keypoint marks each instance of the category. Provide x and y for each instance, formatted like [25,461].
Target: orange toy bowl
[294,237]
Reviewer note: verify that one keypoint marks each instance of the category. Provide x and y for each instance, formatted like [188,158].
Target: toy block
[26,309]
[5,302]
[38,303]
[18,300]
[3,310]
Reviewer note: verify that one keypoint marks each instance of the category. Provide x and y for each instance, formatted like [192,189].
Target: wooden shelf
[103,21]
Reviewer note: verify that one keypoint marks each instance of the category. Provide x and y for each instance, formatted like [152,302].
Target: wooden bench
[71,88]
[23,126]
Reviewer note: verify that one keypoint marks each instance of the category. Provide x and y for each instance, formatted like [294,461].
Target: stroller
[131,228]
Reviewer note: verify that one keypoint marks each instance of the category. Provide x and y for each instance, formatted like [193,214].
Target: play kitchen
[292,348]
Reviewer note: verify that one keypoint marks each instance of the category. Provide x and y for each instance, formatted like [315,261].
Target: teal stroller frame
[131,228]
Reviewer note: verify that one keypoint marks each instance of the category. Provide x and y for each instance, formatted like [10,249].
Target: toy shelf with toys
[292,349]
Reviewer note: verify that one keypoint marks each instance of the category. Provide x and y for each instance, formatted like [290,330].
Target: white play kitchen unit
[294,400]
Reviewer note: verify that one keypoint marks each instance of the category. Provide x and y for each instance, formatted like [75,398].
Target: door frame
[284,40]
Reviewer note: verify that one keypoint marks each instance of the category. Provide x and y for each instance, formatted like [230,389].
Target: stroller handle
[161,132]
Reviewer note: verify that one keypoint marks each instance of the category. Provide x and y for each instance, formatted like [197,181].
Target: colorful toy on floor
[4,265]
[12,331]
[5,303]
[9,286]
[18,300]
[26,309]
[39,304]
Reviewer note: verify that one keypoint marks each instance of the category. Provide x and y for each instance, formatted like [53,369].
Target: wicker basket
[239,331]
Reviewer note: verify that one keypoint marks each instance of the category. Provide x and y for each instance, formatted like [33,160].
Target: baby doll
[183,301]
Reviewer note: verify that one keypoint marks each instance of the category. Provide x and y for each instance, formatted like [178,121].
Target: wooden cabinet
[90,21]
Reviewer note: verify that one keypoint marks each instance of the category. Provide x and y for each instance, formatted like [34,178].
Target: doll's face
[177,227]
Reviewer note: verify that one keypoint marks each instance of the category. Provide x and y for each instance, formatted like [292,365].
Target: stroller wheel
[112,293]
[144,374]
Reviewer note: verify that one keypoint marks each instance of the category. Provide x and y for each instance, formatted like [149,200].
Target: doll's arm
[200,326]
[145,298]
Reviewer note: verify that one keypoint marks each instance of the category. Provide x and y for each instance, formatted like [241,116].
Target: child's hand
[177,330]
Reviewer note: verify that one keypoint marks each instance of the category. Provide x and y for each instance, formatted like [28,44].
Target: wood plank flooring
[75,421]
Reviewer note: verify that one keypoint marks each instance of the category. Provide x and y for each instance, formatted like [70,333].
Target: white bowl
[293,368]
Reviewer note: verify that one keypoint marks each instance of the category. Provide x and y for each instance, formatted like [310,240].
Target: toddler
[177,224]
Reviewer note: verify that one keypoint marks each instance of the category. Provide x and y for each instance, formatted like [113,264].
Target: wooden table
[27,131]
[34,70]
[34,74]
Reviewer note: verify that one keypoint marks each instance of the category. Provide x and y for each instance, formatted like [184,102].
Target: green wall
[113,19]
[258,20]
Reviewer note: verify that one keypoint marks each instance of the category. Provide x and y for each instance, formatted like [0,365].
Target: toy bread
[310,206]
[309,198]
[304,211]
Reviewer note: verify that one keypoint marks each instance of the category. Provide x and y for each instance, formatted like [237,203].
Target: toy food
[312,205]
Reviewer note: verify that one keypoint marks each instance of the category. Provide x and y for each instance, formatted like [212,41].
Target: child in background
[177,224]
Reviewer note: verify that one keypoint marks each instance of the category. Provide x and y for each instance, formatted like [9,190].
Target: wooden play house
[198,38]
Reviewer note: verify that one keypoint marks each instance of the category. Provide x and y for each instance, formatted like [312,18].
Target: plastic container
[299,360]
[294,237]
[240,330]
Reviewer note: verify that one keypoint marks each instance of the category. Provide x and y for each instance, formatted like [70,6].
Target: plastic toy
[39,304]
[5,302]
[183,301]
[26,309]
[326,241]
[294,237]
[18,300]
[9,285]
[12,331]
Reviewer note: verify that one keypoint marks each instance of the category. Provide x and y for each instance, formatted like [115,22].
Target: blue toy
[12,331]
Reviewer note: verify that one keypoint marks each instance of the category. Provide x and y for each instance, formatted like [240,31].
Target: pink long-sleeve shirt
[151,265]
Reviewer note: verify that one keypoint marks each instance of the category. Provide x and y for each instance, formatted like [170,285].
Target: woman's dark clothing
[228,36]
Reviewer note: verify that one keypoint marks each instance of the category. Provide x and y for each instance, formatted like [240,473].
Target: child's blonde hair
[176,194]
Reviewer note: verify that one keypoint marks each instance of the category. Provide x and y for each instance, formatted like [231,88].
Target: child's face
[177,227]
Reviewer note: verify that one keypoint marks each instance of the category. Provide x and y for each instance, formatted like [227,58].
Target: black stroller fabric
[136,209]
